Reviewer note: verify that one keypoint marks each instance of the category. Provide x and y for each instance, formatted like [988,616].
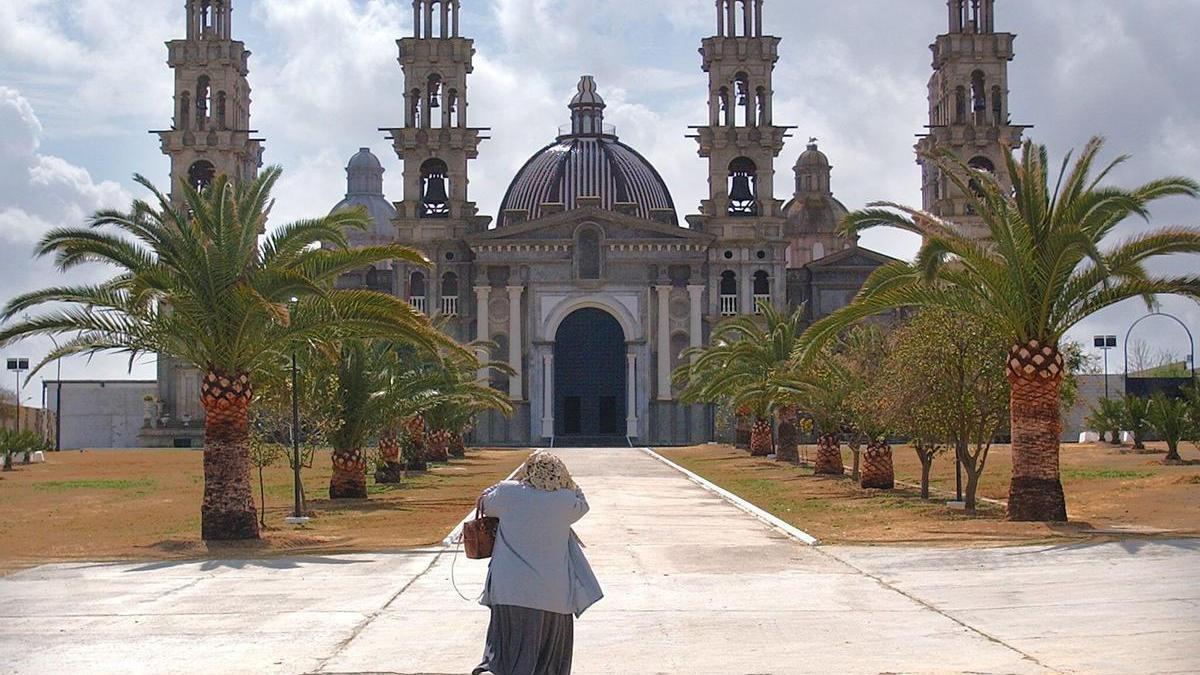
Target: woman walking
[538,579]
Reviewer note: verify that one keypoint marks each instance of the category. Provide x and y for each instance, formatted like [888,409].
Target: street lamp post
[16,366]
[1105,343]
[298,517]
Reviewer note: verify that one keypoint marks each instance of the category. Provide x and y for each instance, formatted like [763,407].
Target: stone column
[746,291]
[664,342]
[484,332]
[631,419]
[696,328]
[548,395]
[515,342]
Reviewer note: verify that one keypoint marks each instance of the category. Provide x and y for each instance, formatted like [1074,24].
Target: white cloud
[40,192]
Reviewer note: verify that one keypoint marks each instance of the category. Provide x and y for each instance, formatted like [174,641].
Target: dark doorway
[589,375]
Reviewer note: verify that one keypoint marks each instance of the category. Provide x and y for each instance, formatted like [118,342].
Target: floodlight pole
[296,439]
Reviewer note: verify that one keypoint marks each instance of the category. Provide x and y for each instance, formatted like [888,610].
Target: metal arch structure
[1191,339]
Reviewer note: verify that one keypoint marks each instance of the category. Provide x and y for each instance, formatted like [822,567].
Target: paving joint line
[778,524]
[774,522]
[935,609]
[370,618]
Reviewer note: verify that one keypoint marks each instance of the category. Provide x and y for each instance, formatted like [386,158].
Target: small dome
[364,187]
[364,159]
[812,158]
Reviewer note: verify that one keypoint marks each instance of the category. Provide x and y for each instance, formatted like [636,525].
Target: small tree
[1171,419]
[264,453]
[1107,419]
[1135,418]
[860,355]
[944,384]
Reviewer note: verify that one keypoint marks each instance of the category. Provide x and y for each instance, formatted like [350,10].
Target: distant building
[105,414]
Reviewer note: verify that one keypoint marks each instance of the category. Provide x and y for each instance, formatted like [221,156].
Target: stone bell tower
[741,141]
[968,107]
[436,145]
[210,136]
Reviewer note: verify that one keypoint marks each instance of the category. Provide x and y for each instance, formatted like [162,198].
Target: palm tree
[195,283]
[1135,418]
[749,366]
[1171,420]
[1046,263]
[1107,419]
[464,396]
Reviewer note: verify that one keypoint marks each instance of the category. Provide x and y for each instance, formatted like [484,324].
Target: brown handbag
[479,534]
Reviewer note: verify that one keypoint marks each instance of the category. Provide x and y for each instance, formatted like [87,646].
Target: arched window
[435,101]
[726,118]
[741,89]
[203,101]
[818,251]
[978,92]
[452,108]
[206,16]
[587,254]
[414,108]
[450,294]
[185,111]
[416,292]
[221,110]
[743,187]
[762,291]
[729,289]
[982,163]
[201,174]
[960,105]
[998,107]
[760,95]
[435,199]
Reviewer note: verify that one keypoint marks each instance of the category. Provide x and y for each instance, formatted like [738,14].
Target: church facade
[588,281]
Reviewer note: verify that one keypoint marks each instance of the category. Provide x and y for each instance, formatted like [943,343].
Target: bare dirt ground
[108,505]
[1110,492]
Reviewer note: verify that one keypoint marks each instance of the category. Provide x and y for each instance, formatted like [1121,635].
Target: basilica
[587,279]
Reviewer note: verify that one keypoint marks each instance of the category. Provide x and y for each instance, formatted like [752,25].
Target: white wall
[101,414]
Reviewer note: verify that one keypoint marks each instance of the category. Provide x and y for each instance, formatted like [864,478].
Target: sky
[83,81]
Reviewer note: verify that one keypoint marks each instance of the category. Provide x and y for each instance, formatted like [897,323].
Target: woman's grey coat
[538,561]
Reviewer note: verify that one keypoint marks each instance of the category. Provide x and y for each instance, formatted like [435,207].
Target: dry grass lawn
[145,504]
[1109,491]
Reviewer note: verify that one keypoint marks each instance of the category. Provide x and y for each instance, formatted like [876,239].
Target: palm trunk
[789,450]
[829,456]
[1035,493]
[761,441]
[437,446]
[227,512]
[389,449]
[458,448]
[742,432]
[877,469]
[349,479]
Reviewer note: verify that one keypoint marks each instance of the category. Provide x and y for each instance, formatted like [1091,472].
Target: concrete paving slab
[694,585]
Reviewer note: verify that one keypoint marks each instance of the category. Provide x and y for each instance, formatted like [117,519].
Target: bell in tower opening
[435,202]
[744,187]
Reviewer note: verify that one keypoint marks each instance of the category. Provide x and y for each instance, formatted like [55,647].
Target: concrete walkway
[694,586]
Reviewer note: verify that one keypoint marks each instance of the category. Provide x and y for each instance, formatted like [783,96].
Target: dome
[364,159]
[364,187]
[588,161]
[812,158]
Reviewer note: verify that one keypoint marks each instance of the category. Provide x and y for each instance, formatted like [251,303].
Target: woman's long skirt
[523,641]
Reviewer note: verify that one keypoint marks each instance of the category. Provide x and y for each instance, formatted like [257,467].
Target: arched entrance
[589,375]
